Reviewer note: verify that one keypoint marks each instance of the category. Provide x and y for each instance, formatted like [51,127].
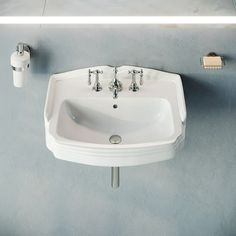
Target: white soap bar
[212,62]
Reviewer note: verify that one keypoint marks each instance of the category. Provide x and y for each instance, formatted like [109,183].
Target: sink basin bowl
[94,121]
[80,123]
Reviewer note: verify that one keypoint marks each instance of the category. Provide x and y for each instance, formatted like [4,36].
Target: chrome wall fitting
[21,48]
[134,86]
[97,86]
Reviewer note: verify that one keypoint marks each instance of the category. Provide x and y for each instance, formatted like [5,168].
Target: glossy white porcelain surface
[80,121]
[93,120]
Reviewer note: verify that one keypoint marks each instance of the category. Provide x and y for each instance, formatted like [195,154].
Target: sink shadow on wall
[206,93]
[40,59]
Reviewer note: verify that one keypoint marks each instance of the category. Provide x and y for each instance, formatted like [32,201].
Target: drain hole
[115,106]
[115,139]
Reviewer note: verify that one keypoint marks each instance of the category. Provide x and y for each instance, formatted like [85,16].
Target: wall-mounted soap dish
[212,61]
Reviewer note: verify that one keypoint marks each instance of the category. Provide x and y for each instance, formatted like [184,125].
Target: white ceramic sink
[150,122]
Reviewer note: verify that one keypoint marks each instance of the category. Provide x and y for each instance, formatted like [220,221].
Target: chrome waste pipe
[115,177]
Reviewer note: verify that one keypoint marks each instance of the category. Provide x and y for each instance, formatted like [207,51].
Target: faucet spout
[115,92]
[115,85]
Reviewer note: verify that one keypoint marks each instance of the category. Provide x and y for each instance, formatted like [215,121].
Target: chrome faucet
[115,93]
[97,86]
[134,86]
[115,85]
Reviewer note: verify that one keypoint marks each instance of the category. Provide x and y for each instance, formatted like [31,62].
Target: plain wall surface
[118,7]
[193,194]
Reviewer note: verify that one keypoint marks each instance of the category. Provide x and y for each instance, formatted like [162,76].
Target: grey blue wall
[193,194]
[118,7]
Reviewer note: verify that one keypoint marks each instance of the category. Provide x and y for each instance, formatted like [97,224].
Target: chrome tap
[97,86]
[115,93]
[134,86]
[115,85]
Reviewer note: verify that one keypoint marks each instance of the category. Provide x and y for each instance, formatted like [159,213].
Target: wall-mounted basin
[90,127]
